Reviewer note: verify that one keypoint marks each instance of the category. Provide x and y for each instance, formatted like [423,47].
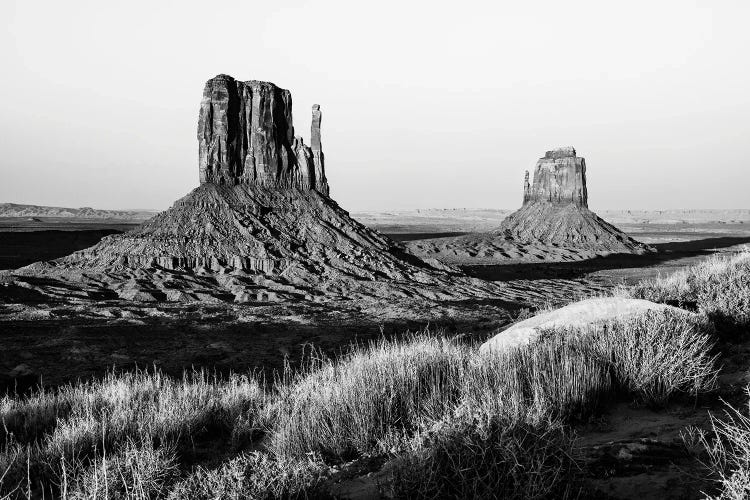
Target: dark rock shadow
[18,249]
[573,270]
[422,236]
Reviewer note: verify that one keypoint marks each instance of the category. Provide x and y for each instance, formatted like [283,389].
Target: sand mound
[577,315]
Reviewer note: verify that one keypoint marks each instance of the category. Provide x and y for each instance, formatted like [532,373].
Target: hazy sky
[425,104]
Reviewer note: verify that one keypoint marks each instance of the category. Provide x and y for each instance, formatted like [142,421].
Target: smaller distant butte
[554,223]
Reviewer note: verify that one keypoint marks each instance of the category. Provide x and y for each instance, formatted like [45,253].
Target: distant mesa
[34,211]
[260,226]
[553,224]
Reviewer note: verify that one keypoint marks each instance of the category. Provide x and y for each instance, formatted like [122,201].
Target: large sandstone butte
[260,226]
[554,223]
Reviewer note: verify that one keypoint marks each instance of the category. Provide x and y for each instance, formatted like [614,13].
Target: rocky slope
[260,226]
[554,223]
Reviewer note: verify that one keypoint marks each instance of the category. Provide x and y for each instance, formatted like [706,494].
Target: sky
[425,104]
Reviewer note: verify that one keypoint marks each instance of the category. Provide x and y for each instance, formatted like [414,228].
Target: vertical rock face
[246,136]
[559,178]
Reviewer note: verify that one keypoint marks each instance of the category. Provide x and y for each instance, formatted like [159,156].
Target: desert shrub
[475,458]
[718,286]
[254,475]
[101,417]
[383,394]
[378,397]
[348,406]
[727,447]
[138,471]
[656,355]
[557,377]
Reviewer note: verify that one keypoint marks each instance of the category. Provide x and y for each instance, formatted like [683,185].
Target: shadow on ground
[68,347]
[19,249]
[421,236]
[666,252]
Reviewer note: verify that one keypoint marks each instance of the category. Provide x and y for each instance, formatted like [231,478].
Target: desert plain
[52,343]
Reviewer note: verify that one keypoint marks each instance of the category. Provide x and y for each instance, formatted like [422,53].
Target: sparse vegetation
[449,420]
[658,354]
[476,458]
[727,449]
[719,287]
[132,421]
[254,475]
[432,405]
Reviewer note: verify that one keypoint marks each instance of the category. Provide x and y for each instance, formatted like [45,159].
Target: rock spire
[317,150]
[246,136]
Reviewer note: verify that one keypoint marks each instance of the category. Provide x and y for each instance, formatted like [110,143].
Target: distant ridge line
[21,210]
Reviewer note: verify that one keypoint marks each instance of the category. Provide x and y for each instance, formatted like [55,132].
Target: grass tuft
[254,475]
[719,287]
[727,448]
[488,459]
[48,435]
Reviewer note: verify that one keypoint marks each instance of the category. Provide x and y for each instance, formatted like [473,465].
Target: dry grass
[138,471]
[657,355]
[457,417]
[727,448]
[436,405]
[376,398]
[718,287]
[254,475]
[462,458]
[53,438]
